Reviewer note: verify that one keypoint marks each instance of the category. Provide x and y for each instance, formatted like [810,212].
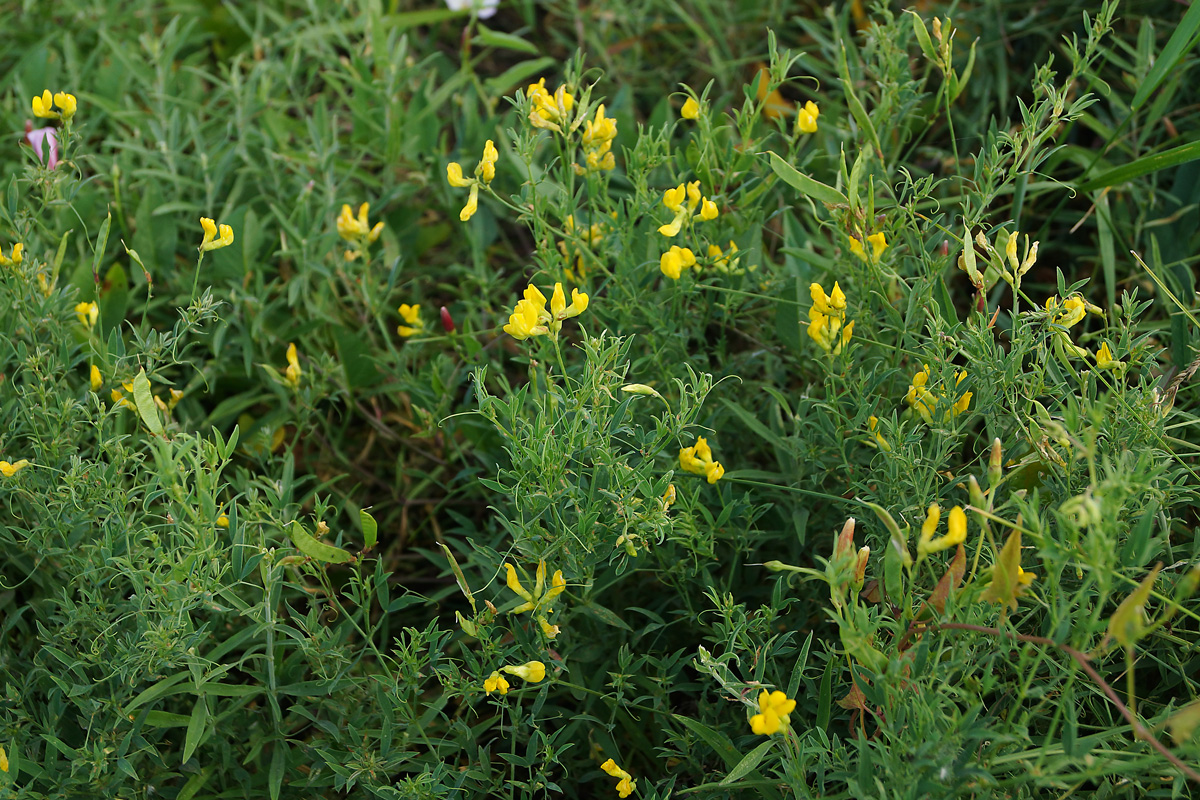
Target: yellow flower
[806,118]
[43,106]
[530,317]
[926,402]
[726,261]
[691,109]
[118,396]
[541,600]
[496,683]
[598,136]
[411,315]
[626,785]
[531,672]
[548,110]
[773,711]
[293,372]
[3,759]
[358,230]
[675,260]
[16,256]
[88,314]
[1105,360]
[878,244]
[698,460]
[827,324]
[673,199]
[213,241]
[486,169]
[222,521]
[873,424]
[67,103]
[8,470]
[957,534]
[97,380]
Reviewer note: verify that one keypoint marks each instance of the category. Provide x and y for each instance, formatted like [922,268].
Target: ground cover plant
[659,399]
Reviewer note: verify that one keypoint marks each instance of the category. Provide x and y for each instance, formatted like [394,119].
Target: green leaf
[370,529]
[163,719]
[1183,39]
[279,762]
[1182,724]
[144,401]
[195,728]
[1144,166]
[718,741]
[101,244]
[508,41]
[805,185]
[747,764]
[315,549]
[825,697]
[1128,624]
[518,74]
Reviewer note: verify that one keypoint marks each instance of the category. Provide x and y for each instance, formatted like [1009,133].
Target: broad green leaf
[195,728]
[1182,724]
[508,41]
[144,401]
[314,549]
[163,719]
[747,764]
[804,184]
[1183,39]
[370,529]
[1144,166]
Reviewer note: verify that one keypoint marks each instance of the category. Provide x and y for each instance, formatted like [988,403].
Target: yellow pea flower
[549,110]
[496,683]
[1105,360]
[88,314]
[96,379]
[530,317]
[486,169]
[698,460]
[8,470]
[412,316]
[222,521]
[454,175]
[691,109]
[773,711]
[675,260]
[673,199]
[878,242]
[3,759]
[214,240]
[358,230]
[956,535]
[531,672]
[925,402]
[67,103]
[827,324]
[16,258]
[806,118]
[873,424]
[598,136]
[43,106]
[118,396]
[293,372]
[626,785]
[708,210]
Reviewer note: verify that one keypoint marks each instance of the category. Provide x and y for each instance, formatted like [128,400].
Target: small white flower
[485,8]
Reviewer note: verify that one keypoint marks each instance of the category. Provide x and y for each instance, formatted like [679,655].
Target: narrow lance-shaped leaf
[1128,622]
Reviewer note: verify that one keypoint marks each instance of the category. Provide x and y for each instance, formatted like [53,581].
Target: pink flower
[44,142]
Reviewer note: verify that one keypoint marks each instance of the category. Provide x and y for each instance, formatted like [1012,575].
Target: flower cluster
[87,314]
[725,260]
[773,711]
[530,317]
[878,244]
[412,317]
[698,460]
[626,785]
[211,240]
[926,402]
[15,258]
[485,171]
[997,265]
[674,261]
[956,535]
[539,602]
[806,118]
[530,672]
[549,111]
[827,324]
[357,231]
[683,200]
[43,105]
[598,135]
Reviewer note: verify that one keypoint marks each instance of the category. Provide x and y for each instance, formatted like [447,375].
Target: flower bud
[447,320]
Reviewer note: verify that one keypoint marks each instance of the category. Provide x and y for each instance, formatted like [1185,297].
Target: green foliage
[860,402]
